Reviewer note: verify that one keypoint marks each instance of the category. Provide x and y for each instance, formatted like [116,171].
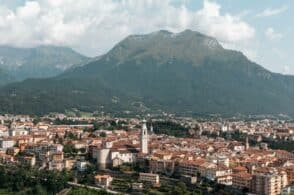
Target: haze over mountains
[185,72]
[17,64]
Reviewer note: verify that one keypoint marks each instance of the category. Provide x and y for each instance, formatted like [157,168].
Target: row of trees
[170,128]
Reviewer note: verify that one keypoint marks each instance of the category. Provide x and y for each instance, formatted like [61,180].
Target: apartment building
[241,180]
[150,178]
[270,183]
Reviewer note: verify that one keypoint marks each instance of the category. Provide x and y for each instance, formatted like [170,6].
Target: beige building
[69,163]
[221,175]
[190,167]
[270,183]
[241,180]
[149,177]
[103,180]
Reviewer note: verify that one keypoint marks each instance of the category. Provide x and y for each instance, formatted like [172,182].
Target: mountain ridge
[38,62]
[185,72]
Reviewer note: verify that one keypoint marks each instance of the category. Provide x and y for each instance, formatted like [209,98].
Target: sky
[263,30]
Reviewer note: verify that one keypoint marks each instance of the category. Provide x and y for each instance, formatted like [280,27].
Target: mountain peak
[162,32]
[169,34]
[164,45]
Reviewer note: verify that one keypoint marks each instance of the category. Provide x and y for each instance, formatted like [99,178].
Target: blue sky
[274,53]
[261,29]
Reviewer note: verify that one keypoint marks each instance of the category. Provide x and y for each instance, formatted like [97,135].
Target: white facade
[6,143]
[126,157]
[149,177]
[18,132]
[105,156]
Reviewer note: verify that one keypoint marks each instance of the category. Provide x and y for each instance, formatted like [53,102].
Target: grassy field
[5,192]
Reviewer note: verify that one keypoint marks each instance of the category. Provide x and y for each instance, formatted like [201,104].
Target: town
[156,155]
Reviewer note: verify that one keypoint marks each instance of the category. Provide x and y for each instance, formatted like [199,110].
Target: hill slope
[4,77]
[183,72]
[39,62]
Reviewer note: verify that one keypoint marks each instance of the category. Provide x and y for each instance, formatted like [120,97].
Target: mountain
[185,72]
[5,77]
[39,62]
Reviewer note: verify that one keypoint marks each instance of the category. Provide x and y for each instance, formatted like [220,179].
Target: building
[144,138]
[81,165]
[290,174]
[103,157]
[29,160]
[270,183]
[6,143]
[69,163]
[190,168]
[56,165]
[288,190]
[57,156]
[12,151]
[103,180]
[112,157]
[221,175]
[137,186]
[241,180]
[149,178]
[122,156]
[189,179]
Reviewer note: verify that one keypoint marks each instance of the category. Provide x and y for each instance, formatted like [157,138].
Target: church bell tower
[144,138]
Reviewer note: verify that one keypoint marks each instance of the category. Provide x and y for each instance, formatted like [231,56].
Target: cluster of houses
[237,164]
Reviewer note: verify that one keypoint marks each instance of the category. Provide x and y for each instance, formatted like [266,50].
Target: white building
[6,143]
[112,157]
[18,132]
[81,165]
[123,156]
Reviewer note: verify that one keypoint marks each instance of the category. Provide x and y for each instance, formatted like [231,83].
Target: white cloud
[286,69]
[271,12]
[94,26]
[272,34]
[29,10]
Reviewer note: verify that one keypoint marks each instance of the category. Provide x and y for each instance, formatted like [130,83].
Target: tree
[179,188]
[103,134]
[69,148]
[36,120]
[39,189]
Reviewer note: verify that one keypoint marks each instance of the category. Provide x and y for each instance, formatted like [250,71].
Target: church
[112,153]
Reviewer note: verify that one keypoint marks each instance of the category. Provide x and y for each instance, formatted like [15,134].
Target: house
[103,180]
